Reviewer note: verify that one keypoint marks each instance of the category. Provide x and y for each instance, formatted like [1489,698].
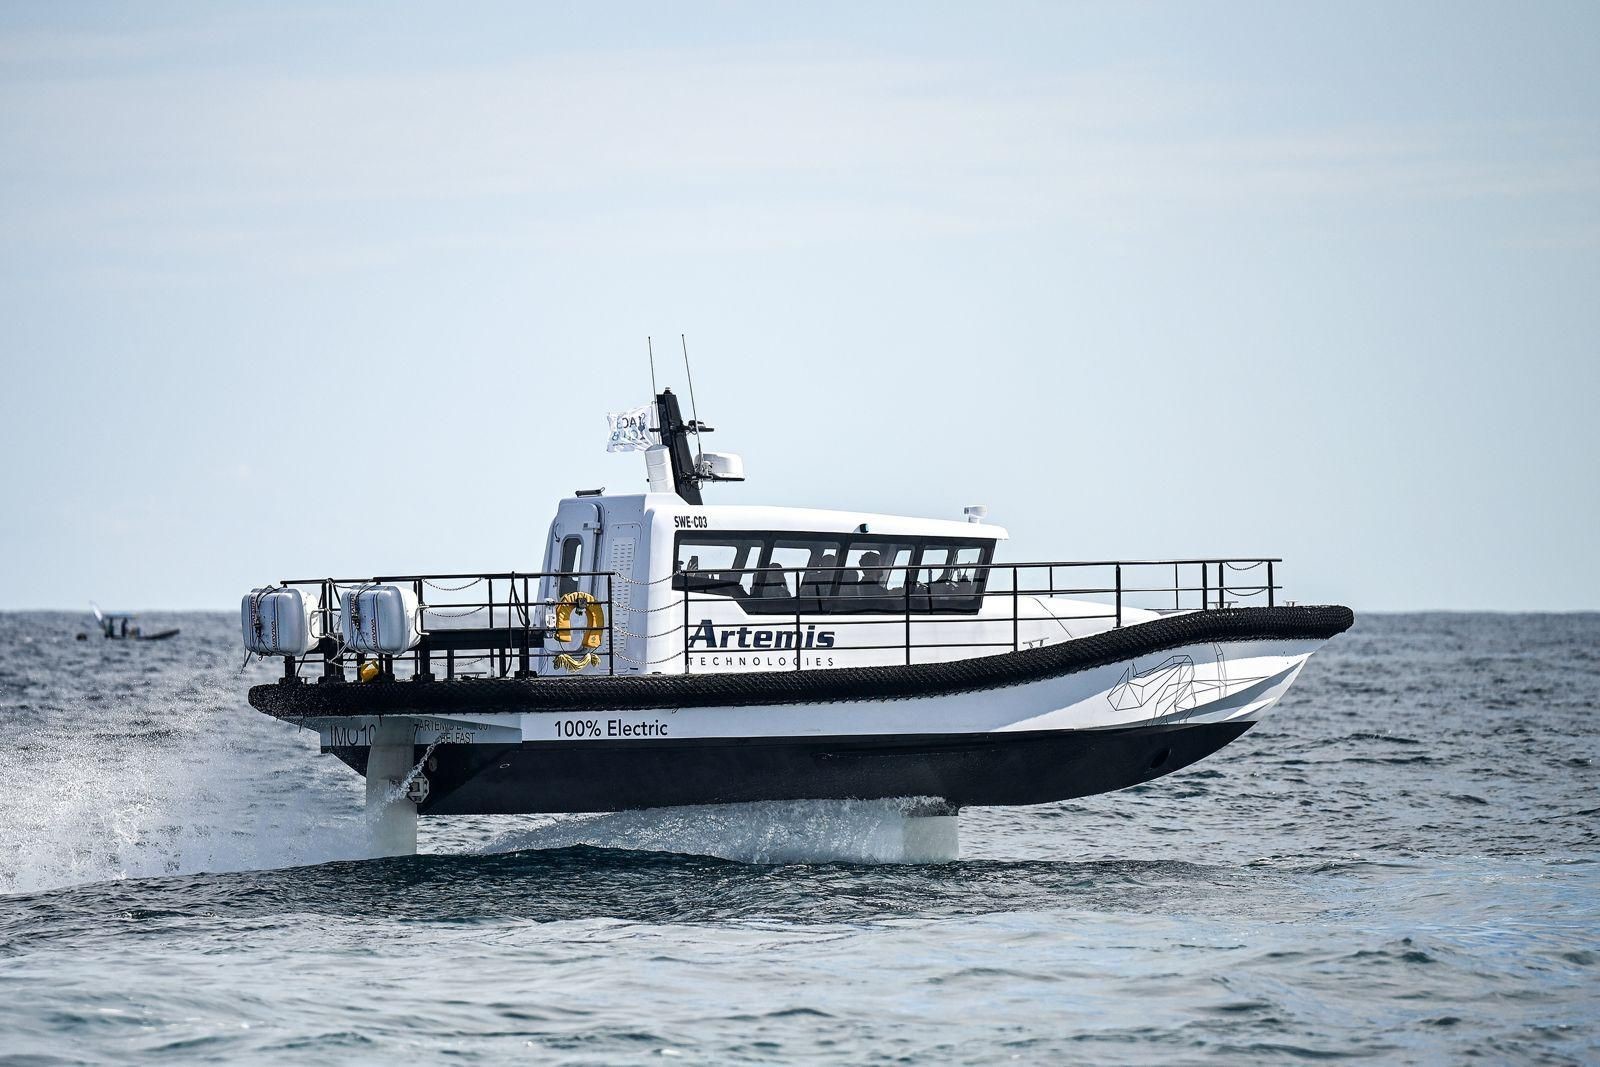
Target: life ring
[594,625]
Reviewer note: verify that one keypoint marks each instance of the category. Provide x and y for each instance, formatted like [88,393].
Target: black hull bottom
[961,769]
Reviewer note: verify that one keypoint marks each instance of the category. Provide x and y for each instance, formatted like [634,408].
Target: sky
[292,290]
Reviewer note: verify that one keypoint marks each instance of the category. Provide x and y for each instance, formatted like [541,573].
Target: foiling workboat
[672,652]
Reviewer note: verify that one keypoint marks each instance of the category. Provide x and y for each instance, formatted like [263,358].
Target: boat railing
[483,625]
[923,615]
[498,625]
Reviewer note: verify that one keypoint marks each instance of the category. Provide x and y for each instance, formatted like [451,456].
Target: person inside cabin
[873,594]
[872,576]
[944,590]
[817,582]
[770,584]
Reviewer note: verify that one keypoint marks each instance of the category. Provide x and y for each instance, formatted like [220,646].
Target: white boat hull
[1078,733]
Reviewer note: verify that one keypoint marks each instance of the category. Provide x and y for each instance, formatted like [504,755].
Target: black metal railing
[838,595]
[473,625]
[498,625]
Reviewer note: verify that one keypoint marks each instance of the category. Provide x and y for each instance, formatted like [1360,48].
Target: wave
[767,832]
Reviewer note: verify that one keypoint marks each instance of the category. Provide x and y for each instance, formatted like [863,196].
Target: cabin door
[574,541]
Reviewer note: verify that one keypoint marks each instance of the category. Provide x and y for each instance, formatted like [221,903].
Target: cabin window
[571,562]
[950,577]
[784,574]
[720,568]
[874,577]
[801,569]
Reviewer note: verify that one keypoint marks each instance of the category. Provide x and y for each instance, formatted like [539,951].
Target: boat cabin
[742,587]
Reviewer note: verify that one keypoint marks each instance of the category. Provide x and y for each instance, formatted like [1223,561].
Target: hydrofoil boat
[666,651]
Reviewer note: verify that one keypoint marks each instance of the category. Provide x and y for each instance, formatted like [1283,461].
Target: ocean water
[1399,864]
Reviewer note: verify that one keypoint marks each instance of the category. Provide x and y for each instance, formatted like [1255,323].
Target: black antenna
[651,349]
[694,411]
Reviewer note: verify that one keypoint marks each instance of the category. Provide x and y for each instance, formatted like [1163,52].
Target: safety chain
[451,588]
[646,637]
[648,662]
[633,581]
[453,614]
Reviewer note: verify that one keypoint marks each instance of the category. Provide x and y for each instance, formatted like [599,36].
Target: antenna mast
[689,472]
[694,411]
[650,348]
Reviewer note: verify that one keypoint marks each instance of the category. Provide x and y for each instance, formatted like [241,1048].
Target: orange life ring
[594,626]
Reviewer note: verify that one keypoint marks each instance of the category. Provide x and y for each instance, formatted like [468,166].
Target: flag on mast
[630,430]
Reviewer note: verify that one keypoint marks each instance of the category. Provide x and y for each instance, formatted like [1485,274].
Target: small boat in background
[121,627]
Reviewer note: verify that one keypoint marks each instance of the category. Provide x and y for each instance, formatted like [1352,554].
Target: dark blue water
[1399,864]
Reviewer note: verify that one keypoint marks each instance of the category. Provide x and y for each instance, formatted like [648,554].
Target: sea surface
[1401,864]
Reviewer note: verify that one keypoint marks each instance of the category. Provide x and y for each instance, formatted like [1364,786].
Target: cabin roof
[816,520]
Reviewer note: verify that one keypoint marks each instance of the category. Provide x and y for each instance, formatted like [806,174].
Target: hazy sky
[292,290]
